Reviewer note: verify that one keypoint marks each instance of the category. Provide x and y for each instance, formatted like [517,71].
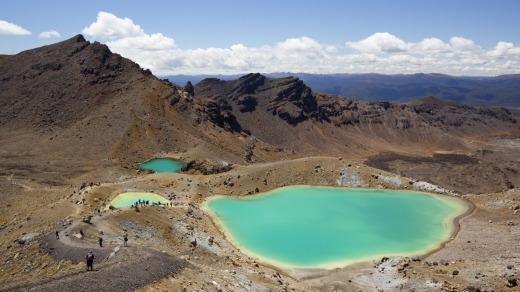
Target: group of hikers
[144,203]
[141,203]
[90,255]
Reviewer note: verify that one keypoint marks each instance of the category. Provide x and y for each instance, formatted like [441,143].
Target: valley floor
[170,247]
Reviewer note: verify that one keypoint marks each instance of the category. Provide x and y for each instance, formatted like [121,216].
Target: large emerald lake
[326,227]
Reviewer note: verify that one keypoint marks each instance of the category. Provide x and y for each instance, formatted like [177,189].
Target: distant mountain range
[477,91]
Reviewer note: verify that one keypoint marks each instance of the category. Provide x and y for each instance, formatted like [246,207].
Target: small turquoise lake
[129,198]
[327,227]
[162,165]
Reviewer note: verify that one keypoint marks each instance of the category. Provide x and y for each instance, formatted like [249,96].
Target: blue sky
[330,36]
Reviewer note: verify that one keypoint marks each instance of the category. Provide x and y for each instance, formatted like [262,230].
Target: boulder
[87,219]
[193,242]
[511,282]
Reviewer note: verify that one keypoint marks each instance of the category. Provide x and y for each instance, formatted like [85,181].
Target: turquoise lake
[162,165]
[129,198]
[326,227]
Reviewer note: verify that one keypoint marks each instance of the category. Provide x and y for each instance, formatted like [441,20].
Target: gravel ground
[133,267]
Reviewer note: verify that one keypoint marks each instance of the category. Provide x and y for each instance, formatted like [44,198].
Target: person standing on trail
[57,235]
[125,240]
[90,261]
[100,241]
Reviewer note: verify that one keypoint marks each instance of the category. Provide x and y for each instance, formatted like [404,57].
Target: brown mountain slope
[286,113]
[57,85]
[76,101]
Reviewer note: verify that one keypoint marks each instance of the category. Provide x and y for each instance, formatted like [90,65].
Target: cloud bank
[381,52]
[7,28]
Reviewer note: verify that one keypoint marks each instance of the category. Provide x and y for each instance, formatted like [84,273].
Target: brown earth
[74,112]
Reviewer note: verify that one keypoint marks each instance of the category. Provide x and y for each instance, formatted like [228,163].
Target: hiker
[100,241]
[57,235]
[81,232]
[90,260]
[125,239]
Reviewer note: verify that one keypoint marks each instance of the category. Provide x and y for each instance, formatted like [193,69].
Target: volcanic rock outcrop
[289,106]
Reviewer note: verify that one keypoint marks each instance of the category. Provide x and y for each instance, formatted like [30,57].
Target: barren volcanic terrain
[76,119]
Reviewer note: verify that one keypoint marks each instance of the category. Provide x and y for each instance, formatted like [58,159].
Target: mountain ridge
[476,91]
[59,98]
[291,100]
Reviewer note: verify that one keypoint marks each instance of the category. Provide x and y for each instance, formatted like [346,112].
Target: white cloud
[49,34]
[130,40]
[430,45]
[7,28]
[381,52]
[154,42]
[505,49]
[380,42]
[108,25]
[463,44]
[286,55]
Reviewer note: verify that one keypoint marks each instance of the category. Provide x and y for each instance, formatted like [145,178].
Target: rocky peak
[189,89]
[248,84]
[292,101]
[295,91]
[75,75]
[288,98]
[79,38]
